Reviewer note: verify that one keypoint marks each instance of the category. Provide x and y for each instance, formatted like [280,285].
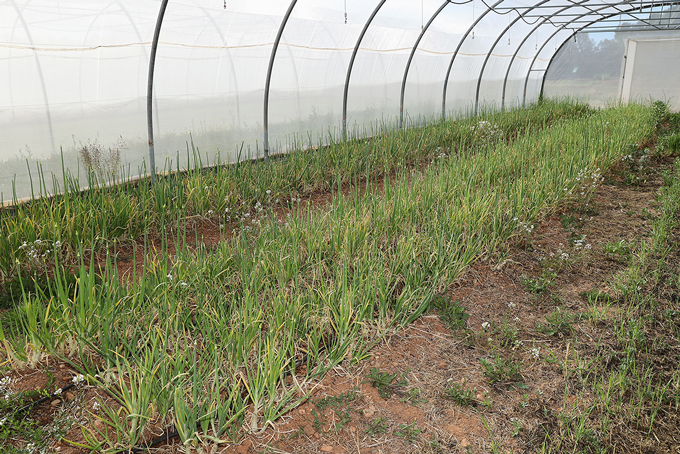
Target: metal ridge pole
[455,53]
[410,59]
[269,77]
[149,88]
[351,65]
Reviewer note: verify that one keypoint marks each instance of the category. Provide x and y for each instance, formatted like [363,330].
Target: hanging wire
[345,12]
[473,19]
[225,4]
[509,24]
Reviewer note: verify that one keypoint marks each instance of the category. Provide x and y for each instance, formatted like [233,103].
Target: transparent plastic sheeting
[74,74]
[618,67]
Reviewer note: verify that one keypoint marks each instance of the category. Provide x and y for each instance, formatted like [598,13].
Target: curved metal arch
[540,93]
[587,25]
[410,59]
[564,26]
[20,16]
[512,59]
[455,53]
[528,35]
[493,46]
[149,91]
[351,66]
[269,77]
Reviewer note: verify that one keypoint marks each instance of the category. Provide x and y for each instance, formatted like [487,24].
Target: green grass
[212,341]
[630,387]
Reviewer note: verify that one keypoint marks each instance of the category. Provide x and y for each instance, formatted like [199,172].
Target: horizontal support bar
[613,30]
[590,4]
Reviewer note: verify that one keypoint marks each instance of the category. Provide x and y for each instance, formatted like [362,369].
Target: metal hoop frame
[410,59]
[574,32]
[641,6]
[493,46]
[351,66]
[455,53]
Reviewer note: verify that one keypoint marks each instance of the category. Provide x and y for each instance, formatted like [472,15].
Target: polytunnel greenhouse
[350,227]
[255,77]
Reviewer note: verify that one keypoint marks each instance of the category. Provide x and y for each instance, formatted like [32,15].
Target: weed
[571,223]
[451,313]
[668,177]
[409,432]
[461,395]
[318,422]
[538,285]
[659,112]
[509,335]
[557,323]
[517,427]
[647,215]
[384,382]
[501,370]
[672,143]
[619,251]
[595,296]
[339,405]
[377,426]
[413,397]
[100,159]
[297,434]
[338,401]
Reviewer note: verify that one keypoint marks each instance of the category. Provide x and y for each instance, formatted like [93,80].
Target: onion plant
[209,341]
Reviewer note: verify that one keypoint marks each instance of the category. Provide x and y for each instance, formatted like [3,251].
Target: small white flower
[268,192]
[210,212]
[517,319]
[511,305]
[78,379]
[169,276]
[226,210]
[57,392]
[184,284]
[535,352]
[485,325]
